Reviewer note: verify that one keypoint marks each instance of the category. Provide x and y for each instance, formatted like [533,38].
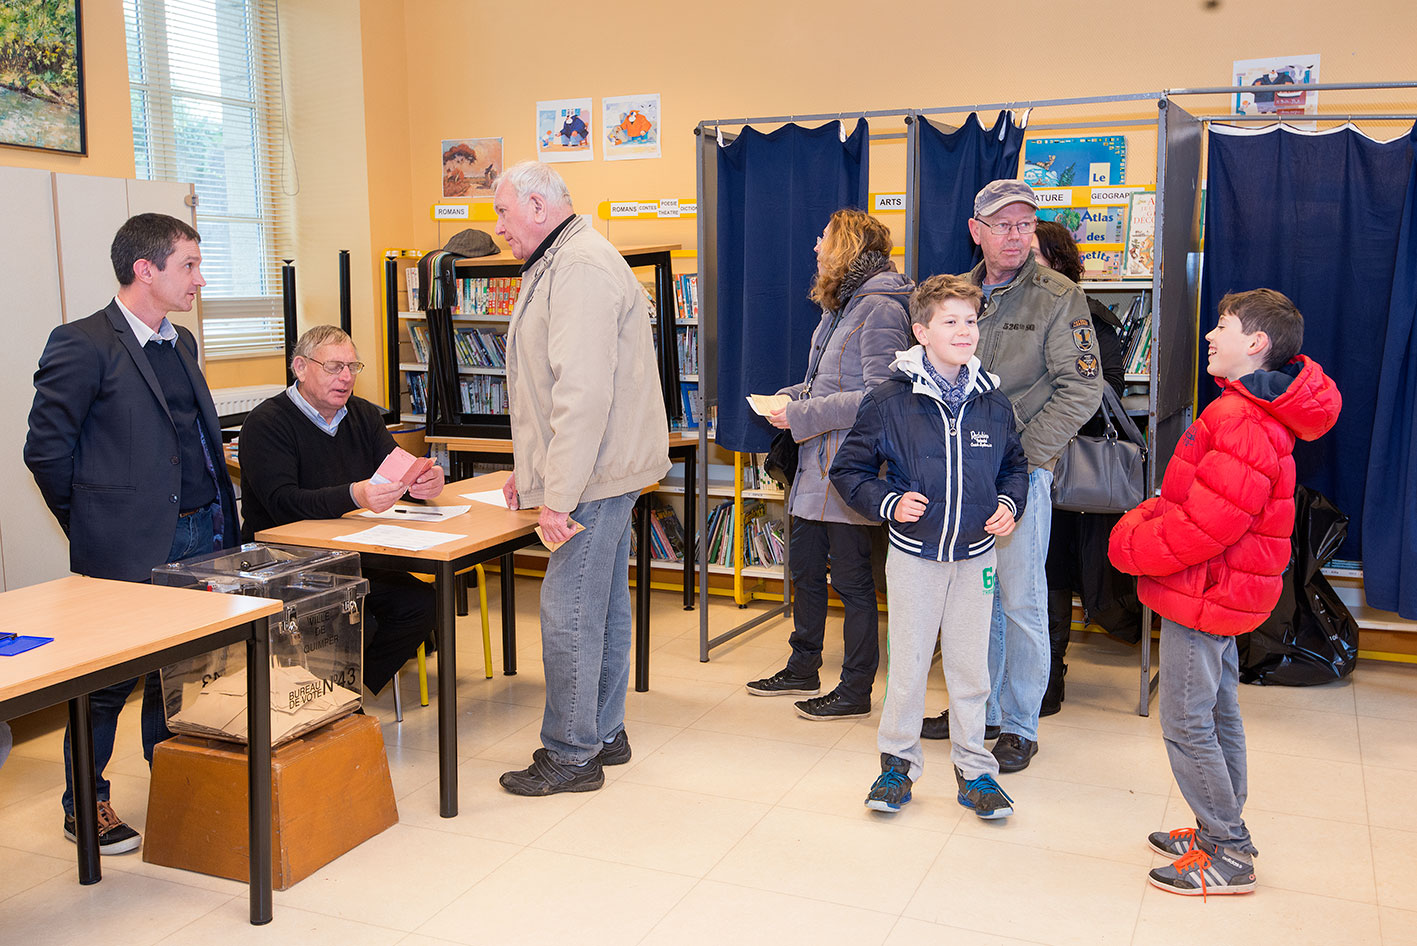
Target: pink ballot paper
[400,466]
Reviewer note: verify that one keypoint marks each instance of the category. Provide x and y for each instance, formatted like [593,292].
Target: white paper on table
[397,537]
[405,513]
[492,497]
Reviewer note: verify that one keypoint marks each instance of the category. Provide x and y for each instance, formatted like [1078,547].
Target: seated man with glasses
[310,453]
[1036,334]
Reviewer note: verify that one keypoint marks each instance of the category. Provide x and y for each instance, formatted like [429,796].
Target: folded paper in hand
[767,404]
[400,466]
[553,546]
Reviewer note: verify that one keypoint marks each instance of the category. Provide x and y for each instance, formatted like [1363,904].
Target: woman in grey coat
[864,324]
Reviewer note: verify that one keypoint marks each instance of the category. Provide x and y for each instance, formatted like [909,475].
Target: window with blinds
[205,82]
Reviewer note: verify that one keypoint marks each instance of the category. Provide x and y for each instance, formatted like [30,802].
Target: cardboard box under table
[330,792]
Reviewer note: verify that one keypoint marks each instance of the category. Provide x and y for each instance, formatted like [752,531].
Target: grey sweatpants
[951,601]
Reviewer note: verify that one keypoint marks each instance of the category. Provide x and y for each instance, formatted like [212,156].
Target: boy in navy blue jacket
[955,478]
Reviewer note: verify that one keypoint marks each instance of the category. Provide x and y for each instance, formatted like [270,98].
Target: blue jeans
[193,536]
[586,631]
[1205,736]
[1018,634]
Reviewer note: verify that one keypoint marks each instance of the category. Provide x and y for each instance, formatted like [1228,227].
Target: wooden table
[109,631]
[683,445]
[488,532]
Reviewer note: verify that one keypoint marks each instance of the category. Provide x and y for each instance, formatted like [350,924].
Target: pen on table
[418,513]
[6,638]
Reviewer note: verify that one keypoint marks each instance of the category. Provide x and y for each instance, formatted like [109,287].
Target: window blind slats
[207,111]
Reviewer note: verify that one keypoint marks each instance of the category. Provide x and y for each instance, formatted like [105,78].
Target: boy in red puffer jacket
[1209,553]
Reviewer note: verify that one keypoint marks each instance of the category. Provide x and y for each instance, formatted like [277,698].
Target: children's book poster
[1090,226]
[564,130]
[1093,161]
[471,166]
[1141,235]
[1276,83]
[631,126]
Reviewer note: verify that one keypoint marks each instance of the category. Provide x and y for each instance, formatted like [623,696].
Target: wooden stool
[330,792]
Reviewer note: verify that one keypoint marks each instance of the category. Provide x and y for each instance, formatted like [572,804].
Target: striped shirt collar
[165,330]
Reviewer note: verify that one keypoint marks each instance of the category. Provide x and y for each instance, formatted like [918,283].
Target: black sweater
[293,470]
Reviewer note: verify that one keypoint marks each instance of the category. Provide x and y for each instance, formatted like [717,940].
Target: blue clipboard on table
[12,644]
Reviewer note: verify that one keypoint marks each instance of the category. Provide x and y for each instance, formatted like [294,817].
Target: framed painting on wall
[42,76]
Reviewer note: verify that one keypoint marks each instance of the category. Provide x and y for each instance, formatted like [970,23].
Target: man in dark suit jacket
[125,446]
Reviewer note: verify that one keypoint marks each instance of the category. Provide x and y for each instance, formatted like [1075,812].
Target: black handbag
[780,462]
[1105,474]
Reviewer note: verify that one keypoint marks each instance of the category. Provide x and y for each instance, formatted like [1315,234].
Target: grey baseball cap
[997,195]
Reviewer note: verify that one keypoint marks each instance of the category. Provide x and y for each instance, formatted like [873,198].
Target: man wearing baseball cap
[1031,334]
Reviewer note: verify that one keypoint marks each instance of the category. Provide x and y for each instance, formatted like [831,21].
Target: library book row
[1135,336]
[763,535]
[476,348]
[477,296]
[480,394]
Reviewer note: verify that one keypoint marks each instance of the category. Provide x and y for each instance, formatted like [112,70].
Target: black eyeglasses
[1024,227]
[335,367]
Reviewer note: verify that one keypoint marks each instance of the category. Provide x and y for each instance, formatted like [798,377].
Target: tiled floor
[736,821]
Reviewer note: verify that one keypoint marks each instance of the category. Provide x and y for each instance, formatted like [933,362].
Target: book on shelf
[483,394]
[482,296]
[666,534]
[417,382]
[688,348]
[418,340]
[480,348]
[762,536]
[1137,359]
[410,276]
[693,403]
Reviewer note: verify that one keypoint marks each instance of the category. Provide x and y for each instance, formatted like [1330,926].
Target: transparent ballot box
[316,644]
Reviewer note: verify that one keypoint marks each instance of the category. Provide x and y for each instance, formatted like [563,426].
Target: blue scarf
[951,393]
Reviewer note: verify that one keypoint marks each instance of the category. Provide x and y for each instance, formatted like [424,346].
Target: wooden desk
[109,631]
[683,445]
[489,532]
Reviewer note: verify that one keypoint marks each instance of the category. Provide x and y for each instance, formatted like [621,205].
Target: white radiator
[241,400]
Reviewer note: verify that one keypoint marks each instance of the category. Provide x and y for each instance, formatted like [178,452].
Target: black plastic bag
[1310,637]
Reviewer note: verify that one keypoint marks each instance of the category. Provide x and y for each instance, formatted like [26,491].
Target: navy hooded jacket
[966,464]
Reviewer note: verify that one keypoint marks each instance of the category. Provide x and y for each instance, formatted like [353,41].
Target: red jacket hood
[1299,395]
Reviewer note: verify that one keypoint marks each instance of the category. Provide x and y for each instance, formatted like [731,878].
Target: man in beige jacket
[588,433]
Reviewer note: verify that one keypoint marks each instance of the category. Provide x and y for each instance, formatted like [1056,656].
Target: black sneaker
[1201,872]
[983,796]
[892,788]
[1014,752]
[114,837]
[831,706]
[616,751]
[546,776]
[783,683]
[938,727]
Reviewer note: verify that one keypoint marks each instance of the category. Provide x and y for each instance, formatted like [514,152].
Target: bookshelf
[474,404]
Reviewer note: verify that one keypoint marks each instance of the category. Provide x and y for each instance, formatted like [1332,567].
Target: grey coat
[857,357]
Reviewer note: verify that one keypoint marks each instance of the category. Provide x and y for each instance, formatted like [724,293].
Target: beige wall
[733,58]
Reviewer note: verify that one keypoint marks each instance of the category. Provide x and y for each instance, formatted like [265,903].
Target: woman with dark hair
[1077,548]
[864,324]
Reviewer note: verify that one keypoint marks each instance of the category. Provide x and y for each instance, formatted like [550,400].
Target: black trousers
[398,616]
[845,549]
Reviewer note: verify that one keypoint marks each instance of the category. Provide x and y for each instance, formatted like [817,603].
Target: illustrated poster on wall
[1268,76]
[471,166]
[631,126]
[1090,225]
[1141,235]
[1093,161]
[564,130]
